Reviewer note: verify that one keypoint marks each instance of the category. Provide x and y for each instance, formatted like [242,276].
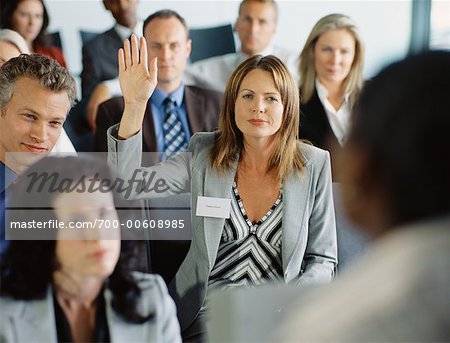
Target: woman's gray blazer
[34,320]
[309,253]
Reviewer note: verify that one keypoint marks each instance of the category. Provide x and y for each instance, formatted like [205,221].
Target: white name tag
[213,207]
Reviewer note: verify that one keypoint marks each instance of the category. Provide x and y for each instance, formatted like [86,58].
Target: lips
[35,148]
[98,255]
[257,122]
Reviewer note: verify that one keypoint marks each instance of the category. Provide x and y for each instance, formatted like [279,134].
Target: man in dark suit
[100,53]
[197,109]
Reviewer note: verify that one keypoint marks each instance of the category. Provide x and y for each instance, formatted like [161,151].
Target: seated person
[30,19]
[256,26]
[396,185]
[100,56]
[46,91]
[331,65]
[261,201]
[12,45]
[193,109]
[78,286]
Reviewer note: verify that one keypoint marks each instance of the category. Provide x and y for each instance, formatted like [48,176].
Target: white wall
[385,25]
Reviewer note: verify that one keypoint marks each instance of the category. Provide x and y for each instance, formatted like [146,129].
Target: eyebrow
[266,93]
[37,114]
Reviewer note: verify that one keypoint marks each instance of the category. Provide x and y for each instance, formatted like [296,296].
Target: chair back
[55,39]
[211,41]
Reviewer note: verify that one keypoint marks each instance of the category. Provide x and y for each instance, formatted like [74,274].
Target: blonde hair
[354,81]
[229,141]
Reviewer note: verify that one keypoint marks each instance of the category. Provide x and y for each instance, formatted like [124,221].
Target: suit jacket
[315,127]
[309,233]
[202,105]
[34,320]
[100,60]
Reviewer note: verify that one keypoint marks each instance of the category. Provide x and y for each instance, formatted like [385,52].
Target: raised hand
[137,83]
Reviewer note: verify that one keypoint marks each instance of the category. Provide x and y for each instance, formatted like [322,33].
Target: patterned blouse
[249,253]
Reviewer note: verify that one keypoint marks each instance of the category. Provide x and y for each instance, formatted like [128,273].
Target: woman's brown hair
[229,142]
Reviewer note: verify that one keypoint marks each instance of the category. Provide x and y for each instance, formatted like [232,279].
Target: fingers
[121,59]
[134,50]
[143,51]
[127,52]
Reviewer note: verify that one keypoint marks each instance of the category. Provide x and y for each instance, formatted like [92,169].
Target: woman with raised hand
[30,19]
[80,283]
[331,78]
[261,201]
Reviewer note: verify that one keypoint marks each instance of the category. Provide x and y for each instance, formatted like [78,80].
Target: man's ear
[188,47]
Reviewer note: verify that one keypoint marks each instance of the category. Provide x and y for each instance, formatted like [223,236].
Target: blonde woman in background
[12,45]
[331,73]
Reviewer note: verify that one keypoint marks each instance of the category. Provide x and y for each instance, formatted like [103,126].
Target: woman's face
[334,53]
[28,19]
[7,51]
[90,243]
[258,108]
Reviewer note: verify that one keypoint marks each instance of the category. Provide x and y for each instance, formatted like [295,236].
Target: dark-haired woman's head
[28,17]
[76,226]
[396,166]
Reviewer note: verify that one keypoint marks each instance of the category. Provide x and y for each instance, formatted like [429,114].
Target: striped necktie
[174,135]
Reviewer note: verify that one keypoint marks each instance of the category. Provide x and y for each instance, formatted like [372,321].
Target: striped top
[249,253]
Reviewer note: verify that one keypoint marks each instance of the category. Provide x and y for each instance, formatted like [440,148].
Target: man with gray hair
[36,94]
[256,26]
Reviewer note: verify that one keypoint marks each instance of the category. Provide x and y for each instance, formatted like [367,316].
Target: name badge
[213,207]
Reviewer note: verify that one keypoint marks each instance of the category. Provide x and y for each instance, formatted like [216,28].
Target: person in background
[12,45]
[256,26]
[36,94]
[78,286]
[331,70]
[193,108]
[276,222]
[100,56]
[396,185]
[30,19]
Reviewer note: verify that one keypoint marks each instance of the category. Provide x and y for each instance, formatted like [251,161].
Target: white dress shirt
[339,119]
[64,144]
[214,72]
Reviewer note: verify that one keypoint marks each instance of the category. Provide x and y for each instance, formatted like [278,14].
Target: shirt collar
[159,96]
[7,176]
[125,32]
[265,52]
[322,91]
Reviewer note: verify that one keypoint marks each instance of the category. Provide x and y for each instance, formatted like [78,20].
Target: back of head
[14,38]
[45,70]
[402,126]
